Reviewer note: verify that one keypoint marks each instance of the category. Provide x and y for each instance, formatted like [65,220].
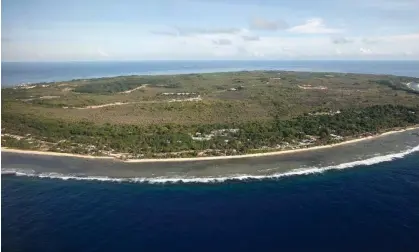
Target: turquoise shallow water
[366,208]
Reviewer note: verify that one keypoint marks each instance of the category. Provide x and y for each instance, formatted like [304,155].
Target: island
[204,116]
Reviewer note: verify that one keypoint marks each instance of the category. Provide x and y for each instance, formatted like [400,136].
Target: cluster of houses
[179,94]
[336,137]
[198,98]
[331,113]
[236,88]
[182,94]
[309,141]
[206,137]
[29,86]
[24,86]
[312,87]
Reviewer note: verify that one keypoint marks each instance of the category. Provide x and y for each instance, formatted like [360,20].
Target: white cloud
[226,46]
[233,46]
[403,37]
[250,38]
[102,53]
[314,26]
[188,31]
[391,46]
[165,33]
[365,50]
[341,40]
[369,41]
[222,41]
[268,25]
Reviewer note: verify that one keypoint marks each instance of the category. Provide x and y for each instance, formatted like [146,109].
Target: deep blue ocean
[368,208]
[364,208]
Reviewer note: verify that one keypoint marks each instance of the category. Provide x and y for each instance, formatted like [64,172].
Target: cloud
[267,25]
[392,39]
[370,41]
[102,53]
[341,40]
[243,45]
[222,42]
[188,31]
[314,26]
[403,37]
[283,47]
[165,33]
[192,31]
[365,50]
[250,38]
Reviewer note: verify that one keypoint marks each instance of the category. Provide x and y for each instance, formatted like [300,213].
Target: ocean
[14,73]
[367,208]
[357,197]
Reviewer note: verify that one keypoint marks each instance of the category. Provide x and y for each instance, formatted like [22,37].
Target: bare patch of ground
[132,90]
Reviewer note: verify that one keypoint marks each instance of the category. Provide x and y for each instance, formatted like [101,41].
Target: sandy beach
[155,160]
[50,153]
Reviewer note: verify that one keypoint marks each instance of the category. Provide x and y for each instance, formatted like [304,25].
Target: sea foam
[240,177]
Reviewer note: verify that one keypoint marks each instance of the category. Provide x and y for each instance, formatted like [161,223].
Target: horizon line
[203,60]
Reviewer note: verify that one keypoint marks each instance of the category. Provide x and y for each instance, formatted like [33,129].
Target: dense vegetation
[105,88]
[119,84]
[135,139]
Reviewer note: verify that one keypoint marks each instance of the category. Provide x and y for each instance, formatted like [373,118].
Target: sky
[78,30]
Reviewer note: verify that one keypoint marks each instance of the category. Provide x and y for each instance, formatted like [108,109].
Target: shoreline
[192,159]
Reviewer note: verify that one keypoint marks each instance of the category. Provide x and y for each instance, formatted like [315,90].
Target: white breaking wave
[179,179]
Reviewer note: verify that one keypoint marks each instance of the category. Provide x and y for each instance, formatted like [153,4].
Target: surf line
[220,179]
